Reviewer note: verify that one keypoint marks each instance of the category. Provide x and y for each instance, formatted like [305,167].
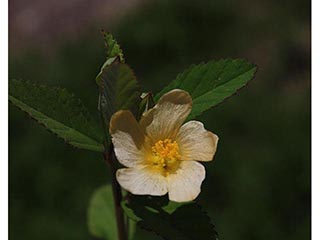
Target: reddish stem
[110,159]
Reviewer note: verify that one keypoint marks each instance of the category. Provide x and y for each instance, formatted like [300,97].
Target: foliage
[118,90]
[113,48]
[58,111]
[211,83]
[170,220]
[101,215]
[113,52]
[117,83]
[262,167]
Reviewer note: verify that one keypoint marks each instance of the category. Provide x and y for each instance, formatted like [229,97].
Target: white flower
[161,154]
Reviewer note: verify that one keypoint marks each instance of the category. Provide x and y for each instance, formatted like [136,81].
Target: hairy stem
[110,159]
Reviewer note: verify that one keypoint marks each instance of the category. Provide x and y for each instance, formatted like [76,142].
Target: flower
[160,152]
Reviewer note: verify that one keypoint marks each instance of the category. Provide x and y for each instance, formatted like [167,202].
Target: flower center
[165,156]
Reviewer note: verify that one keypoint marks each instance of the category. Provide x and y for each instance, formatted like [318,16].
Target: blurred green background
[258,187]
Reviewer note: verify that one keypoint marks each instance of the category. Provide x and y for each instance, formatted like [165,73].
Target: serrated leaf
[117,83]
[59,111]
[101,215]
[113,48]
[119,90]
[113,53]
[172,221]
[211,83]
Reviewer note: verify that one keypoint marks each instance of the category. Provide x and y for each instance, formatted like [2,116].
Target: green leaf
[211,83]
[117,83]
[176,221]
[101,218]
[101,215]
[113,48]
[114,52]
[59,111]
[119,90]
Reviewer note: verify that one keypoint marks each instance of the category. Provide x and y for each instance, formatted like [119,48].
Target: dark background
[258,187]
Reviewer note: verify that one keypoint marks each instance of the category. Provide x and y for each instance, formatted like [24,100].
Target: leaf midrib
[176,83]
[221,85]
[94,144]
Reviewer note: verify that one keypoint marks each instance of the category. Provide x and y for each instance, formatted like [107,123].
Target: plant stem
[110,159]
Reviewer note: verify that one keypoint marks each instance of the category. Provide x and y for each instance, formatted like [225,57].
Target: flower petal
[142,181]
[196,143]
[185,184]
[166,117]
[127,138]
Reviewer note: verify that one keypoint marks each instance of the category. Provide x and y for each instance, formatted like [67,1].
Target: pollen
[165,155]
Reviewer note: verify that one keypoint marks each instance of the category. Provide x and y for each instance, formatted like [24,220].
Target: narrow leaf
[172,221]
[59,111]
[211,83]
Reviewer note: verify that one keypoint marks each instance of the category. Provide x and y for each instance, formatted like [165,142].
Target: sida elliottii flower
[160,152]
